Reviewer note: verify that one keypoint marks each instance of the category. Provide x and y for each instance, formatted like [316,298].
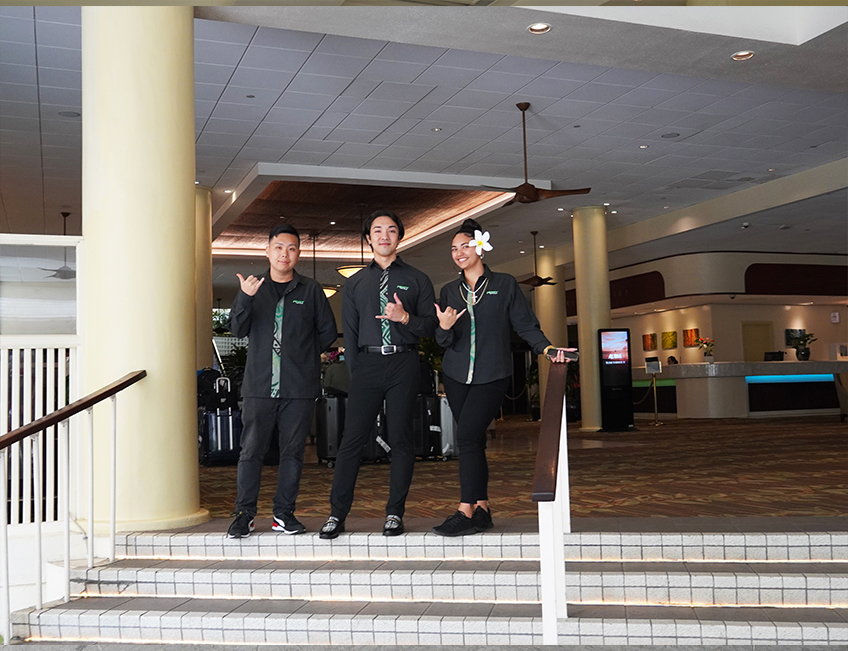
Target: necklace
[471,297]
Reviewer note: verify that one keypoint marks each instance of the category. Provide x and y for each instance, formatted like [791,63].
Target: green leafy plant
[803,340]
[432,352]
[220,321]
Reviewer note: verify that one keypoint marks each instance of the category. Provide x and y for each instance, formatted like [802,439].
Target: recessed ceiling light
[228,191]
[771,169]
[665,207]
[69,114]
[613,212]
[332,223]
[539,28]
[541,246]
[606,204]
[670,135]
[643,146]
[197,182]
[436,129]
[742,55]
[521,251]
[560,209]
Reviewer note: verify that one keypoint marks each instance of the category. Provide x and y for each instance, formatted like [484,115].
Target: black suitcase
[219,424]
[426,433]
[329,427]
[329,423]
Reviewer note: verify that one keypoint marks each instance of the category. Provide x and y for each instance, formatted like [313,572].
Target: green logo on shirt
[403,287]
[493,292]
[296,302]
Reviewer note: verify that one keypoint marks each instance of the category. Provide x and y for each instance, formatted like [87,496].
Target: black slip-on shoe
[332,528]
[393,526]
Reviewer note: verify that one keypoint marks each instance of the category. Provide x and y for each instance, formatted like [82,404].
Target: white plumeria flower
[481,242]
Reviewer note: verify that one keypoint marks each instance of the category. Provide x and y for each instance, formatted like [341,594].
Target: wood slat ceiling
[310,207]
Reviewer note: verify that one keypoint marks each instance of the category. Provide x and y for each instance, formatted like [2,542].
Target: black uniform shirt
[502,304]
[308,328]
[361,304]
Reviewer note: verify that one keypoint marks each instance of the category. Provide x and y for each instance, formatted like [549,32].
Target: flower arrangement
[803,340]
[706,344]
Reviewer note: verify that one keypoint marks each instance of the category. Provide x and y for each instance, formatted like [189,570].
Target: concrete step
[582,546]
[635,583]
[238,621]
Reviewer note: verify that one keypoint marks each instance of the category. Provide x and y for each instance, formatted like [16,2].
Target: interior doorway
[757,339]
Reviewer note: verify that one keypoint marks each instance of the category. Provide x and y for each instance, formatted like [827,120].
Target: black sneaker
[332,528]
[287,524]
[482,519]
[241,526]
[458,524]
[393,526]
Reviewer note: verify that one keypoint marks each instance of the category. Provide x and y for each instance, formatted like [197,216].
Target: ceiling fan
[535,280]
[527,192]
[64,272]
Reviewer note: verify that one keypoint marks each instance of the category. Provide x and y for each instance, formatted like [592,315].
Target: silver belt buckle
[391,349]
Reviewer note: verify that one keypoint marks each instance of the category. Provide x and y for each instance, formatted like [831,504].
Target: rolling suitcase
[426,433]
[447,429]
[329,424]
[220,427]
[377,448]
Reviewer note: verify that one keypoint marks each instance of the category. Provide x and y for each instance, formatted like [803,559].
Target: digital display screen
[615,357]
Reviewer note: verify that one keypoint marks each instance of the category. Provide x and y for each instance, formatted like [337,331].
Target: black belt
[388,350]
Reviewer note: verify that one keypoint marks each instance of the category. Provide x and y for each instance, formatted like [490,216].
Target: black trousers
[473,407]
[395,379]
[292,418]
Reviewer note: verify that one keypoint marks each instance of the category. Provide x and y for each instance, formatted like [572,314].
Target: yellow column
[203,275]
[591,274]
[550,309]
[137,282]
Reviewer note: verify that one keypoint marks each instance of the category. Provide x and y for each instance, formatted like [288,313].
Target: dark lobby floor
[688,468]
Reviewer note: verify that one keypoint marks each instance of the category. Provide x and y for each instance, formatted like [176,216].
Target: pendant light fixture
[64,272]
[348,270]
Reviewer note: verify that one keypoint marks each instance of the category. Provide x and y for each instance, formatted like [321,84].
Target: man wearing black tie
[386,307]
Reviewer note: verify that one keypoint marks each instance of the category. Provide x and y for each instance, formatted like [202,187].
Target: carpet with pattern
[718,468]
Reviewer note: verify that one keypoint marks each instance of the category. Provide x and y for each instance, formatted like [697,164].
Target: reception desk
[740,389]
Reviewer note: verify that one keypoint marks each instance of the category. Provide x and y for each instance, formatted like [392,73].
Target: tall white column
[549,305]
[591,274]
[138,283]
[203,275]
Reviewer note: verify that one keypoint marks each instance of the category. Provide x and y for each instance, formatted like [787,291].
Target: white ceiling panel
[306,83]
[286,39]
[334,65]
[501,82]
[219,125]
[405,52]
[238,95]
[15,54]
[239,112]
[350,47]
[270,58]
[17,30]
[17,74]
[401,92]
[400,72]
[215,30]
[262,79]
[58,35]
[445,76]
[222,54]
[207,73]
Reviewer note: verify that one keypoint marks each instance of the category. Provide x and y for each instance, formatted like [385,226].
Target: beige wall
[723,322]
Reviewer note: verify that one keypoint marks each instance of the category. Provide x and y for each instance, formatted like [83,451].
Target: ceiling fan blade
[533,281]
[547,281]
[550,194]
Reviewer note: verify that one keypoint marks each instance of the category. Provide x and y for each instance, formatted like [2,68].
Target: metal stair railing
[33,430]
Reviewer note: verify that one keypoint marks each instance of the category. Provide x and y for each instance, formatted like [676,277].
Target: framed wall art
[669,340]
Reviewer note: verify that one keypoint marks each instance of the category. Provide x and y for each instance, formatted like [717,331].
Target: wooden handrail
[547,455]
[69,410]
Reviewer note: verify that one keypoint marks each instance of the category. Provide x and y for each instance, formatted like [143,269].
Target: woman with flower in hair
[475,314]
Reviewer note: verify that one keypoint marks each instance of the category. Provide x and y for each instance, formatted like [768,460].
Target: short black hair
[282,229]
[366,225]
[468,227]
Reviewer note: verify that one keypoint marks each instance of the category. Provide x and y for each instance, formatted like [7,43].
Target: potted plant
[801,343]
[706,344]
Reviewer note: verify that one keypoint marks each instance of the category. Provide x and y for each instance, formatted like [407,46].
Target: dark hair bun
[468,227]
